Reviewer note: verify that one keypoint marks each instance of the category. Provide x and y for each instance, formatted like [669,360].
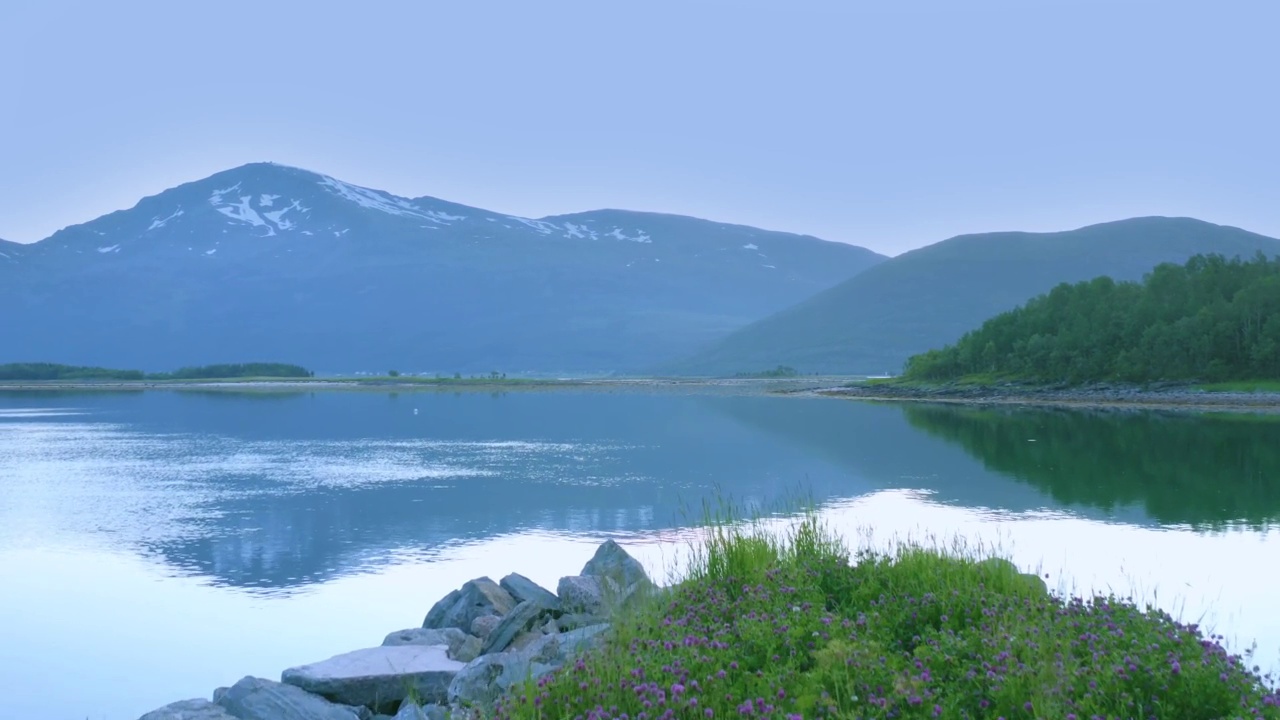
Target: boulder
[379,678]
[523,589]
[488,677]
[452,637]
[573,621]
[524,616]
[580,594]
[469,650]
[483,626]
[257,699]
[198,709]
[611,561]
[525,639]
[474,599]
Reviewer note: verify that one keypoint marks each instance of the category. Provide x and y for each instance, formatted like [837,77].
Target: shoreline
[783,385]
[1177,397]
[1181,397]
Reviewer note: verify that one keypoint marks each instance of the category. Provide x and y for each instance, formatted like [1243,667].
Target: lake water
[156,545]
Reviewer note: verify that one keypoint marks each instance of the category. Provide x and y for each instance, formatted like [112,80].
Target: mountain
[927,298]
[10,252]
[271,262]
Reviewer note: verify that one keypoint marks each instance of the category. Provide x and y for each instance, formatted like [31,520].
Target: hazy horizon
[889,128]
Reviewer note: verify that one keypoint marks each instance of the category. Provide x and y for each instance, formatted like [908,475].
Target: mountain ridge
[271,261]
[930,296]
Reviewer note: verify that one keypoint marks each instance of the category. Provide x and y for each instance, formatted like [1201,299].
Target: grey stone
[453,637]
[474,599]
[257,699]
[483,626]
[611,561]
[513,623]
[525,639]
[550,627]
[573,621]
[410,711]
[488,677]
[580,594]
[435,616]
[379,678]
[469,650]
[522,588]
[198,709]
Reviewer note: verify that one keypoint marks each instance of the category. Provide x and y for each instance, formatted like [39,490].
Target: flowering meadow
[795,626]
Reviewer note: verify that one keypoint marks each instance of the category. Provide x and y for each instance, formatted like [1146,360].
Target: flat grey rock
[198,709]
[522,588]
[258,699]
[379,678]
[474,599]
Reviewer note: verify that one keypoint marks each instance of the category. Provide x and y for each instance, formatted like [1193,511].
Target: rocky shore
[475,644]
[1179,396]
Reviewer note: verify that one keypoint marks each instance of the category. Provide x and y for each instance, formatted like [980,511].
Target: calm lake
[156,545]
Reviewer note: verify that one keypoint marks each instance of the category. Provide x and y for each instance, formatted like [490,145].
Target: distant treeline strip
[1211,319]
[54,371]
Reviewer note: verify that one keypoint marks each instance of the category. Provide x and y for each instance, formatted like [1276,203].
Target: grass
[792,625]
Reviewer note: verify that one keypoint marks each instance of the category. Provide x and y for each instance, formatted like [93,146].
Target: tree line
[1210,319]
[55,371]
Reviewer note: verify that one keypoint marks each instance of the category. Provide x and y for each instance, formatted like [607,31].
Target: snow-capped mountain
[273,262]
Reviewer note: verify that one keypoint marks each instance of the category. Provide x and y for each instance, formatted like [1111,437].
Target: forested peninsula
[1209,320]
[53,371]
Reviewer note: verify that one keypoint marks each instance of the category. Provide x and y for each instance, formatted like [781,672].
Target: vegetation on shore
[781,371]
[788,627]
[1211,319]
[55,371]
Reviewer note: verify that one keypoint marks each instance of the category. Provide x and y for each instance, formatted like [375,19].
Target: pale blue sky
[888,124]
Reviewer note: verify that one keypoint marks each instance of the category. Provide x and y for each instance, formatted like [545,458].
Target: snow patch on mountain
[159,222]
[109,249]
[750,246]
[641,236]
[579,231]
[277,216]
[215,198]
[383,202]
[543,227]
[243,212]
[267,200]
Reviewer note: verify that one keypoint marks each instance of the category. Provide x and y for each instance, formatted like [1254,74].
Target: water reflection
[1205,471]
[253,531]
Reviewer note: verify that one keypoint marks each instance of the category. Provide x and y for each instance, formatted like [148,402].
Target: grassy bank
[793,626]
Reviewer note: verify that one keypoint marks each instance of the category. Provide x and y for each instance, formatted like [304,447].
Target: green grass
[791,624]
[1249,386]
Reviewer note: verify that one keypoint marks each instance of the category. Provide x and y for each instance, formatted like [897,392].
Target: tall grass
[775,620]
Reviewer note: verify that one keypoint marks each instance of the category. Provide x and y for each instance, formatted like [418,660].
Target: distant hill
[271,261]
[928,298]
